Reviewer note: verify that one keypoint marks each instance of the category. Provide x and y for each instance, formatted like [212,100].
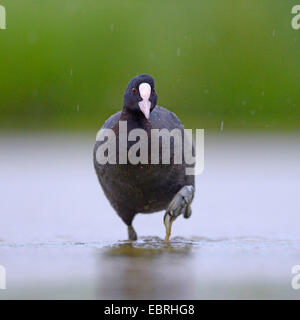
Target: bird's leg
[180,204]
[131,233]
[127,215]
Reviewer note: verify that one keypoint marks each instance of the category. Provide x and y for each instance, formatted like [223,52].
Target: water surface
[59,237]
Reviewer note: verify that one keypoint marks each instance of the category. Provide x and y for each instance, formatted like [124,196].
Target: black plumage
[142,188]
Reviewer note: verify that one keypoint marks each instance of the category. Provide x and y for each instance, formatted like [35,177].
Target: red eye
[134,90]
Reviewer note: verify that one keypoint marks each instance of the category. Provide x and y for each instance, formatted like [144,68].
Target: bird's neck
[135,121]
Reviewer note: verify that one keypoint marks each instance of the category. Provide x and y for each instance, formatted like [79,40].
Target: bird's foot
[131,233]
[180,204]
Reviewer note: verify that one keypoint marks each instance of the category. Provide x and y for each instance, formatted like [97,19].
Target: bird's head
[140,97]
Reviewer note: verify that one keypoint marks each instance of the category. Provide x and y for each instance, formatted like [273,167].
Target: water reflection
[147,269]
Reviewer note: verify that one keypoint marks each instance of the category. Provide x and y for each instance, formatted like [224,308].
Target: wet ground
[59,237]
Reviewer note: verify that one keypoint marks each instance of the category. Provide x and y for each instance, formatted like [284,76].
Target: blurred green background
[64,64]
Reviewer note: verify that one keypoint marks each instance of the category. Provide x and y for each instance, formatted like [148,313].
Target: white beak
[145,104]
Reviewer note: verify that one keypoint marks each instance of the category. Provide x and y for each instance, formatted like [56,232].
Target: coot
[144,187]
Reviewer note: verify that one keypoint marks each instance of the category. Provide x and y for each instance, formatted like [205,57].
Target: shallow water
[59,237]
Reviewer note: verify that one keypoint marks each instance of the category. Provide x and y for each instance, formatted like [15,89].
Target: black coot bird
[145,188]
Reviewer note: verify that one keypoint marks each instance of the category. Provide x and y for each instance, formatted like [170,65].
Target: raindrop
[206,91]
[71,72]
[222,124]
[178,52]
[77,108]
[263,93]
[244,103]
[112,27]
[273,33]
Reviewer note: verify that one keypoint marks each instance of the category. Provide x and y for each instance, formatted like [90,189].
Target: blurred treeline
[64,64]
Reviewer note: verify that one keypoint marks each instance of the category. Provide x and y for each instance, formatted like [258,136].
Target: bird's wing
[161,118]
[108,124]
[111,121]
